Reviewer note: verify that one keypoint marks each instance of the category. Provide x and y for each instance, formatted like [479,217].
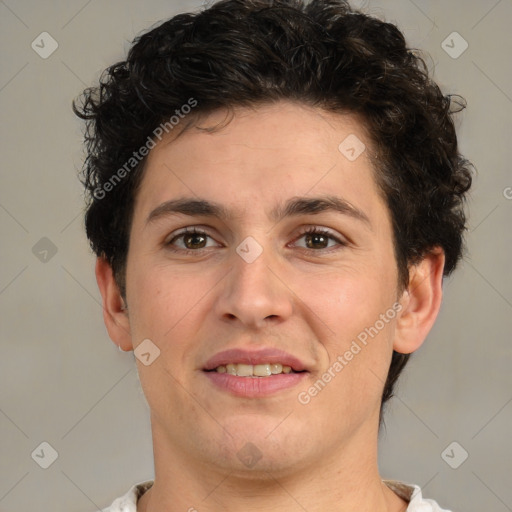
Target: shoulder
[128,501]
[412,494]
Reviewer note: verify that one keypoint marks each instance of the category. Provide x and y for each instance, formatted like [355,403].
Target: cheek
[358,308]
[166,309]
[350,300]
[164,302]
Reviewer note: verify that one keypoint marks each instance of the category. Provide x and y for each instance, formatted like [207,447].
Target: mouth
[252,374]
[256,370]
[252,386]
[262,362]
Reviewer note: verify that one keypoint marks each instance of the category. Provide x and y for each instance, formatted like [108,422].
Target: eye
[318,238]
[194,240]
[191,240]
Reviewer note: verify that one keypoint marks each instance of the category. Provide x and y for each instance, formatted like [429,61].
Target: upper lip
[260,356]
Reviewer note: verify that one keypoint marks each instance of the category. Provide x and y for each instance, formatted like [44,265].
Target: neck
[346,480]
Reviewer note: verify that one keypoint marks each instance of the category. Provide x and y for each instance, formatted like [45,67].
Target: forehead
[263,155]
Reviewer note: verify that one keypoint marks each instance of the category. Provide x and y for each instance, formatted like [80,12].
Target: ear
[420,302]
[115,314]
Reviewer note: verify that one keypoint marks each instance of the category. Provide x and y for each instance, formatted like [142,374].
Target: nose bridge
[253,293]
[251,269]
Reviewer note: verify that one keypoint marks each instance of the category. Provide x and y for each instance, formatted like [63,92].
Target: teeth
[261,370]
[257,370]
[244,370]
[276,368]
[230,368]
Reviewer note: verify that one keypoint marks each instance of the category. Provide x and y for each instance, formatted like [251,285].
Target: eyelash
[309,231]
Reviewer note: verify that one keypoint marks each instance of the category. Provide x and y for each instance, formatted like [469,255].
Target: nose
[254,294]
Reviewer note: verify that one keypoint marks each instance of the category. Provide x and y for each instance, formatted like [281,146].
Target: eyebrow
[293,207]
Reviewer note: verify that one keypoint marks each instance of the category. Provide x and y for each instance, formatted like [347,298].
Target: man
[275,196]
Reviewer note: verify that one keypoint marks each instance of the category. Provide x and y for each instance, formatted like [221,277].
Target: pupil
[315,239]
[189,238]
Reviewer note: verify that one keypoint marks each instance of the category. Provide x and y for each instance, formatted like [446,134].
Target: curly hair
[245,53]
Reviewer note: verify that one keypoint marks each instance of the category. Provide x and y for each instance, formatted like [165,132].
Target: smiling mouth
[257,370]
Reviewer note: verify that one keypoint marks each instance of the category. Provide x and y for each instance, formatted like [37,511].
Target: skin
[299,295]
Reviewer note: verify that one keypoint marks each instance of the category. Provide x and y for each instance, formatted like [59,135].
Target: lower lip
[253,387]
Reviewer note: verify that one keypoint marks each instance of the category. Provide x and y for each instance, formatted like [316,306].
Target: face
[287,259]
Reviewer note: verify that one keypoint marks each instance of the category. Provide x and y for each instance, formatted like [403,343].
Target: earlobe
[115,313]
[421,302]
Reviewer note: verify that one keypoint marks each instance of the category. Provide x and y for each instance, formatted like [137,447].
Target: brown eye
[194,241]
[190,240]
[317,239]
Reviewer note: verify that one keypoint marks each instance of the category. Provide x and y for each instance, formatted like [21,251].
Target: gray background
[61,379]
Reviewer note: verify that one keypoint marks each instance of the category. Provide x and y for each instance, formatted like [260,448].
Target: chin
[255,445]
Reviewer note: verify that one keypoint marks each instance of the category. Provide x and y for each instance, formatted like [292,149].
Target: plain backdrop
[63,382]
